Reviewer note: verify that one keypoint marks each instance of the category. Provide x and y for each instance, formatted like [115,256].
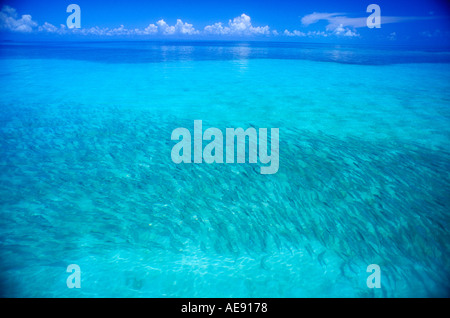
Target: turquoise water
[87,178]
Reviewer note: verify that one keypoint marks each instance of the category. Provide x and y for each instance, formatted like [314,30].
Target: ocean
[86,175]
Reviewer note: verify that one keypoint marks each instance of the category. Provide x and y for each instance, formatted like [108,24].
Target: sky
[421,22]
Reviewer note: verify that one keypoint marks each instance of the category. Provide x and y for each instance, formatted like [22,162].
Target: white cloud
[161,27]
[338,25]
[317,34]
[150,29]
[240,25]
[336,19]
[119,31]
[294,33]
[341,31]
[47,27]
[9,21]
[9,11]
[216,28]
[179,28]
[435,33]
[315,17]
[350,33]
[341,25]
[164,28]
[185,28]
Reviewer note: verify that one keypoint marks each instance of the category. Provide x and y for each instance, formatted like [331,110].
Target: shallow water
[87,178]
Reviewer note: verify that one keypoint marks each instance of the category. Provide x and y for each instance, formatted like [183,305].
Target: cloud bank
[337,19]
[9,21]
[338,25]
[239,26]
[341,25]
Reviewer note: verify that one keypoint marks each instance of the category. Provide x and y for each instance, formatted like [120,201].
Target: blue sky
[402,22]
